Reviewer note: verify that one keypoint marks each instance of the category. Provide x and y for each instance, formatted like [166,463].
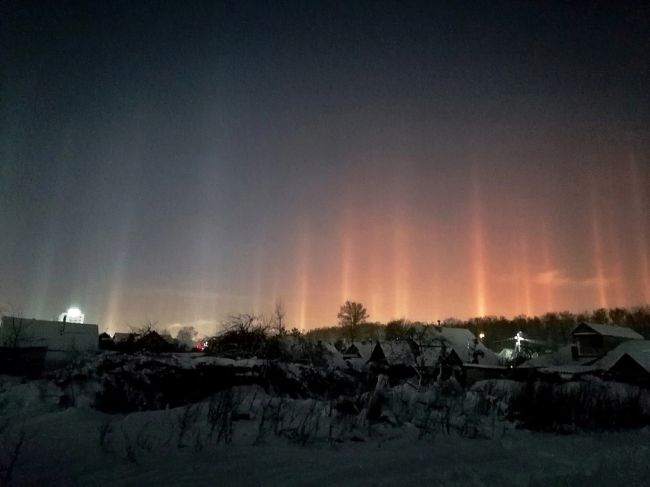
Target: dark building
[593,340]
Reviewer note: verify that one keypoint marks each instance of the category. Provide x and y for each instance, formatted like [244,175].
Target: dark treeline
[552,328]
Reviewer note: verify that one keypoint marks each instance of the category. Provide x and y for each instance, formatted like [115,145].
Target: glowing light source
[73,315]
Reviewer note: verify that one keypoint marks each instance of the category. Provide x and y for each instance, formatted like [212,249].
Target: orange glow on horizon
[401,260]
[303,255]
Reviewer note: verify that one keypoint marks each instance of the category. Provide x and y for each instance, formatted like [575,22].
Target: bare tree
[351,315]
[278,317]
[145,329]
[242,332]
[15,332]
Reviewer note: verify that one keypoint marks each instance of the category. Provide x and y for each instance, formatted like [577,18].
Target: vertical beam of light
[127,214]
[274,287]
[257,281]
[346,256]
[616,265]
[525,275]
[548,267]
[478,248]
[434,295]
[375,276]
[597,243]
[43,270]
[202,302]
[116,289]
[400,270]
[516,282]
[640,224]
[303,274]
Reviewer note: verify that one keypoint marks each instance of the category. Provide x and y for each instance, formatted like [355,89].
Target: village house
[629,362]
[593,340]
[608,351]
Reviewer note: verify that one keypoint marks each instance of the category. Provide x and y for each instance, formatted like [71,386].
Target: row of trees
[552,328]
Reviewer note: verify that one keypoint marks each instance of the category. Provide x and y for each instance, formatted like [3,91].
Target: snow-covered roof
[398,353]
[571,369]
[608,330]
[560,357]
[361,350]
[639,350]
[643,359]
[462,341]
[428,356]
[334,357]
[119,337]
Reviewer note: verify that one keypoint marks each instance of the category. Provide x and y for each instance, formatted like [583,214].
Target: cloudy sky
[179,161]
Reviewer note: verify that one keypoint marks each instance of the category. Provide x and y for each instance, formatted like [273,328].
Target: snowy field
[183,446]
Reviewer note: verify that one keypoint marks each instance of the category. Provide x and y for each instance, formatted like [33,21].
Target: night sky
[177,162]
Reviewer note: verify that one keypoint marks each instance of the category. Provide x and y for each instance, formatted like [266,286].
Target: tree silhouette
[351,315]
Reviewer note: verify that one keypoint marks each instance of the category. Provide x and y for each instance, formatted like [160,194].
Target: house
[125,342]
[106,342]
[629,362]
[465,345]
[332,355]
[154,342]
[359,350]
[396,353]
[432,354]
[593,340]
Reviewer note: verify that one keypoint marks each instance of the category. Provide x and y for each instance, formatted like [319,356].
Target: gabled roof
[398,353]
[559,358]
[642,360]
[639,350]
[607,330]
[461,340]
[361,350]
[333,355]
[119,336]
[428,356]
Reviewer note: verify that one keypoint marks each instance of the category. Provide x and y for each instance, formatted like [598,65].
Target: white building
[61,339]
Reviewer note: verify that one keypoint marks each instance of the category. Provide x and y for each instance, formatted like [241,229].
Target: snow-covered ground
[276,441]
